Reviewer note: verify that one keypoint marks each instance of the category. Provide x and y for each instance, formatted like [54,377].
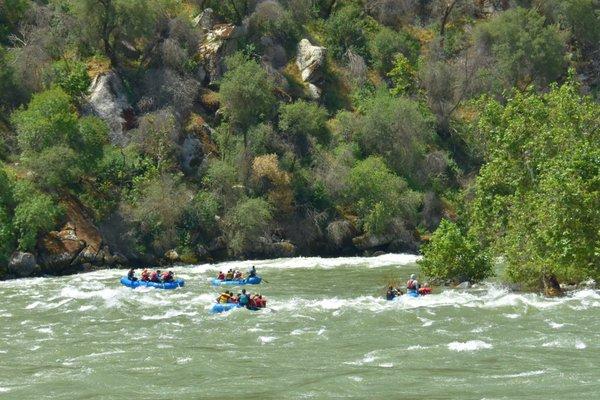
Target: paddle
[265,281]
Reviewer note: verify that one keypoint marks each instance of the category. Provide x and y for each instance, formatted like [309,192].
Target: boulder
[58,250]
[367,241]
[551,286]
[340,233]
[310,61]
[219,42]
[589,284]
[191,154]
[22,264]
[267,248]
[107,100]
[314,92]
[205,20]
[463,285]
[172,256]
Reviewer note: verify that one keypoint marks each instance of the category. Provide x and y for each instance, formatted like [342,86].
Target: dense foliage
[187,125]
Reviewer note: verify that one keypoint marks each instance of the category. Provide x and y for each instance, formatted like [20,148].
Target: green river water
[326,334]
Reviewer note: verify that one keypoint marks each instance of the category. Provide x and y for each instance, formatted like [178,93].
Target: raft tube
[220,307]
[413,293]
[255,280]
[159,285]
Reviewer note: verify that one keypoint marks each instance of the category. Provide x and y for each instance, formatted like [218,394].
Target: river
[326,334]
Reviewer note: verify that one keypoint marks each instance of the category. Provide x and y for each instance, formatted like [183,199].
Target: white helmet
[413,276]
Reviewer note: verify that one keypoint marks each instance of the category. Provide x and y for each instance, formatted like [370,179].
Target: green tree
[302,120]
[524,49]
[397,129]
[537,199]
[35,213]
[387,44]
[72,77]
[346,30]
[451,255]
[246,94]
[49,119]
[379,197]
[245,223]
[6,223]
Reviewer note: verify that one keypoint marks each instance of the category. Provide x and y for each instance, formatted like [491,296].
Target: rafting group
[243,299]
[154,276]
[236,275]
[413,289]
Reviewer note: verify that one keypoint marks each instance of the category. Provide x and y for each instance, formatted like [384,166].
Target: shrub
[450,255]
[379,197]
[72,77]
[387,44]
[246,94]
[35,213]
[345,30]
[245,223]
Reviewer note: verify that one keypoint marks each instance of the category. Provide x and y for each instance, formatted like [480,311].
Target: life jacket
[229,276]
[145,275]
[261,303]
[425,290]
[221,277]
[224,298]
[154,277]
[411,284]
[238,275]
[244,299]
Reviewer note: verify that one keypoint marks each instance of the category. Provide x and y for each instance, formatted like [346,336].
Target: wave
[470,345]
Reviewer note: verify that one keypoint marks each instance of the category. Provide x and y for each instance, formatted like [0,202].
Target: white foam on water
[356,378]
[520,375]
[386,365]
[580,345]
[554,325]
[183,360]
[169,314]
[512,316]
[384,260]
[417,347]
[566,344]
[267,339]
[4,389]
[471,345]
[46,330]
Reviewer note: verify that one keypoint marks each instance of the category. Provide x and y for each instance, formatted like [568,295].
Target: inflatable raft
[413,293]
[220,307]
[159,285]
[255,280]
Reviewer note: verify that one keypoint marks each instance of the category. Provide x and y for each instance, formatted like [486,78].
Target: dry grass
[97,65]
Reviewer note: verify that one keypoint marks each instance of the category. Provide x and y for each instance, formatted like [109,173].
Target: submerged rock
[463,285]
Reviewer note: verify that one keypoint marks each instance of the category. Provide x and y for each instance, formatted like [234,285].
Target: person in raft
[238,275]
[412,284]
[244,299]
[155,276]
[221,276]
[252,272]
[229,276]
[167,277]
[145,275]
[224,297]
[131,275]
[392,293]
[257,301]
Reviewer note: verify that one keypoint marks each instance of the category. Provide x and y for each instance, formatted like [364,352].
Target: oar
[265,281]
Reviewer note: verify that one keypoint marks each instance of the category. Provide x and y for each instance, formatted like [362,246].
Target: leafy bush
[245,223]
[536,199]
[346,30]
[35,213]
[523,47]
[450,255]
[387,44]
[379,197]
[72,77]
[246,93]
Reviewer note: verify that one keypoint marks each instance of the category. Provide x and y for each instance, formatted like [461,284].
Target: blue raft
[255,280]
[159,285]
[220,307]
